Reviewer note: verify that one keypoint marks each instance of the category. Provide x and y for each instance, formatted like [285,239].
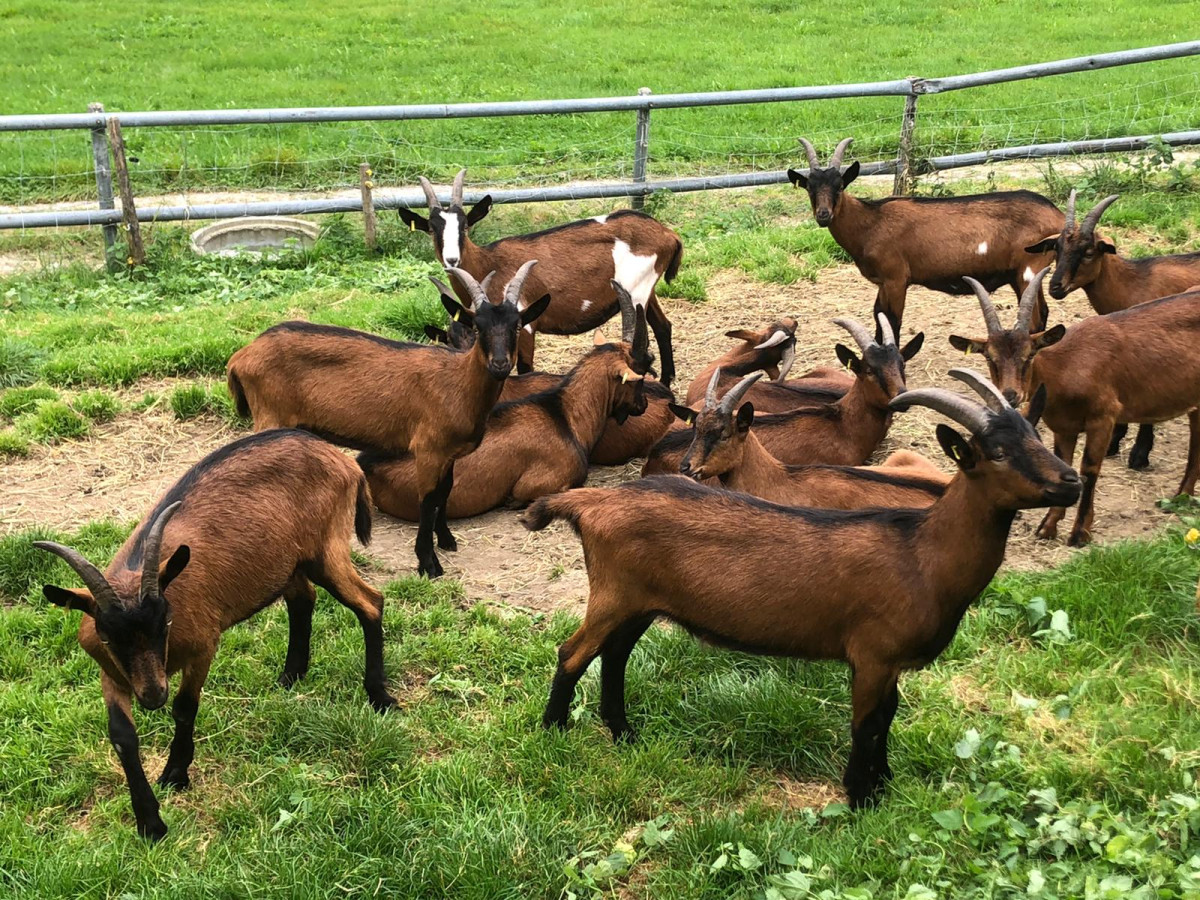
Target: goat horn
[628,312]
[734,395]
[813,161]
[861,336]
[710,395]
[641,339]
[1025,309]
[151,547]
[785,363]
[967,414]
[835,161]
[93,578]
[430,197]
[991,396]
[885,328]
[773,341]
[457,190]
[512,293]
[1070,221]
[1093,217]
[474,288]
[990,316]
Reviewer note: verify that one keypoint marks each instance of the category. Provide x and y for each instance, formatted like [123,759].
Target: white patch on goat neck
[601,219]
[584,306]
[634,273]
[1029,273]
[451,244]
[529,328]
[982,248]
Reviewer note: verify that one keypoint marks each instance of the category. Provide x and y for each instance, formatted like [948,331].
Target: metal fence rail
[910,88]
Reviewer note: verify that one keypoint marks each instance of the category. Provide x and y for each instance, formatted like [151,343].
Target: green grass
[51,422]
[12,444]
[98,406]
[188,401]
[227,54]
[1028,753]
[16,401]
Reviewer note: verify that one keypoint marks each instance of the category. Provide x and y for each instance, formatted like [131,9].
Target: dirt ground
[123,466]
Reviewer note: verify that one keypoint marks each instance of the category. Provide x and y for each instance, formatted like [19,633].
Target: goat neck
[587,395]
[756,470]
[851,224]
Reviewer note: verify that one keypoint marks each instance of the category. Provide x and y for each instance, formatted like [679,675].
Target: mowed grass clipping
[1052,751]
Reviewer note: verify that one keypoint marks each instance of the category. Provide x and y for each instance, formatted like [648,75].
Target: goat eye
[999,456]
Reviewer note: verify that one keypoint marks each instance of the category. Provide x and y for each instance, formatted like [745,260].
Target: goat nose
[1071,477]
[1010,395]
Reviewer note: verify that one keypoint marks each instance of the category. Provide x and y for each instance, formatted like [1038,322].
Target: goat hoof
[431,570]
[1139,461]
[385,702]
[154,830]
[1047,531]
[447,542]
[1079,539]
[174,779]
[623,733]
[287,679]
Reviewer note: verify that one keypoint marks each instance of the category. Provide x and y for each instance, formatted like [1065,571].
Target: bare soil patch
[123,466]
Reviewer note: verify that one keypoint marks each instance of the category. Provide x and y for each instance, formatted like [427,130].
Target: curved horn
[990,315]
[885,330]
[967,414]
[734,395]
[457,189]
[710,395]
[773,341]
[477,291]
[1090,220]
[991,396]
[640,341]
[785,363]
[512,293]
[835,161]
[861,336]
[430,197]
[1028,299]
[151,545]
[1070,222]
[628,312]
[93,578]
[813,161]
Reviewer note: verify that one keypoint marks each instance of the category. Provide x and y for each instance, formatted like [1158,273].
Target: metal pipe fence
[642,104]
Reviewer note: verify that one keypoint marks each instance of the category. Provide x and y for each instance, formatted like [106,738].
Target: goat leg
[1096,442]
[613,660]
[871,698]
[125,741]
[183,711]
[1114,447]
[429,478]
[1188,485]
[445,539]
[661,326]
[525,347]
[890,301]
[1064,449]
[574,656]
[300,599]
[1139,456]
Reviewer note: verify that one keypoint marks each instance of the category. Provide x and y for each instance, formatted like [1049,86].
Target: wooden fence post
[103,169]
[137,253]
[368,205]
[641,149]
[903,179]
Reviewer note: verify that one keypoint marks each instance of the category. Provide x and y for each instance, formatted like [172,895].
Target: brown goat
[580,260]
[725,447]
[844,433]
[254,521]
[882,590]
[535,446]
[365,391]
[933,242]
[1140,364]
[1085,259]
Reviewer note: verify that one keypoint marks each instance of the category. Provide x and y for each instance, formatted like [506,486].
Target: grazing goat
[1084,259]
[725,447]
[883,590]
[1140,364]
[579,262]
[773,350]
[844,433]
[933,242]
[532,447]
[256,520]
[365,391]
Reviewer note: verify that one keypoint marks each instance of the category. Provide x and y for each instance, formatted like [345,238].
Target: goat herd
[882,561]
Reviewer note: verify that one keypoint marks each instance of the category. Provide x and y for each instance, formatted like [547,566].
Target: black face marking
[135,634]
[496,326]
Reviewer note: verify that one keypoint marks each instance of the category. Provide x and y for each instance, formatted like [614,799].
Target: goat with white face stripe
[578,263]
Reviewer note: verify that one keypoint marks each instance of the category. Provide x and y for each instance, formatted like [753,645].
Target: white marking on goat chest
[583,307]
[1029,273]
[634,273]
[982,248]
[451,250]
[601,219]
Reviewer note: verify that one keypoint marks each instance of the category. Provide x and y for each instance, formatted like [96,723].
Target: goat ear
[913,347]
[967,345]
[850,174]
[745,417]
[479,210]
[847,358]
[1104,245]
[437,335]
[1036,406]
[533,310]
[456,310]
[70,599]
[176,564]
[1049,336]
[414,221]
[797,179]
[683,414]
[741,334]
[1044,246]
[956,447]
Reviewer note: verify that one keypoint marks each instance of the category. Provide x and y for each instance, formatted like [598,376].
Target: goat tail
[238,393]
[673,265]
[569,506]
[362,512]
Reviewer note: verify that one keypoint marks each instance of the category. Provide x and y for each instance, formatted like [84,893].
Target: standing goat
[1085,259]
[882,590]
[365,391]
[253,521]
[580,260]
[933,242]
[724,446]
[844,433]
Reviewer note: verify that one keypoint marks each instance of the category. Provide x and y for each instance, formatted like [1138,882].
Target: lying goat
[883,590]
[264,517]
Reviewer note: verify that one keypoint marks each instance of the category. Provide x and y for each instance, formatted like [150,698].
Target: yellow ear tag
[955,453]
[456,315]
[624,377]
[412,226]
[967,352]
